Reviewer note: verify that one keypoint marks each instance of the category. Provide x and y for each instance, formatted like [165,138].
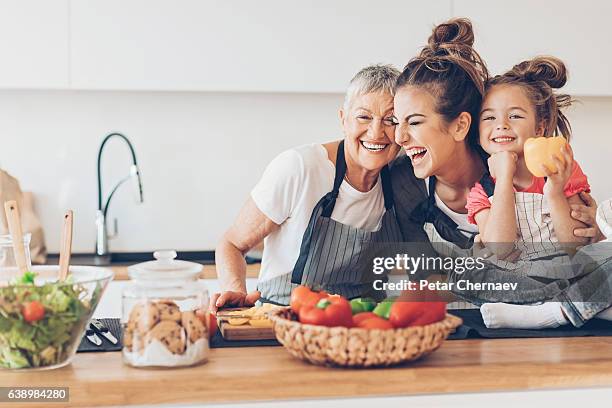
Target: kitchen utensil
[92,336]
[356,347]
[241,332]
[66,246]
[97,326]
[14,223]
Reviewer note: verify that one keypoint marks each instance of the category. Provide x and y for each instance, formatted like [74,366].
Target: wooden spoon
[14,223]
[66,246]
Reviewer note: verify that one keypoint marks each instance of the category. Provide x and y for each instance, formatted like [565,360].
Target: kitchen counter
[270,373]
[208,272]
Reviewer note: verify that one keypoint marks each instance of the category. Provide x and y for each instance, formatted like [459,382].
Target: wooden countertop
[208,272]
[267,373]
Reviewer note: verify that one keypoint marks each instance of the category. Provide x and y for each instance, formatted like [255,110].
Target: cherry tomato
[375,323]
[33,311]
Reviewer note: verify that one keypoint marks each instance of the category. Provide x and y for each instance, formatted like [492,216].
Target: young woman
[437,104]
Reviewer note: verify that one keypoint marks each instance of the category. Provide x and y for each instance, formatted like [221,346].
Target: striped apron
[447,239]
[333,256]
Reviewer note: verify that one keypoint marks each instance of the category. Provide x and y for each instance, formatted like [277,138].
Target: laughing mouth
[503,139]
[416,153]
[373,147]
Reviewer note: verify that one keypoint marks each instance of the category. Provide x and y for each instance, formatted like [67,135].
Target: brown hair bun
[548,69]
[457,30]
[454,37]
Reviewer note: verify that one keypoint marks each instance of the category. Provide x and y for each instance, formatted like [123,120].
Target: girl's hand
[556,181]
[502,165]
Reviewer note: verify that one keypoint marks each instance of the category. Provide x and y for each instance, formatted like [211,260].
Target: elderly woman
[318,207]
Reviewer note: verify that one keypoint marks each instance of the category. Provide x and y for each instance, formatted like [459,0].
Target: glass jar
[164,315]
[8,264]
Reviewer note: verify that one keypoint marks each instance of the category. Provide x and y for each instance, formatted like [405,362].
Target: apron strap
[487,184]
[448,229]
[330,198]
[325,207]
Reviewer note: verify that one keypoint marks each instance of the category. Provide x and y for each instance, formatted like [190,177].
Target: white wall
[200,154]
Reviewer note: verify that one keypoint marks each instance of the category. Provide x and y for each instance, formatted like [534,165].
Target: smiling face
[507,120]
[368,129]
[422,132]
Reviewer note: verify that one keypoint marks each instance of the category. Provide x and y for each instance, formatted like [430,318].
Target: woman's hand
[556,181]
[502,165]
[586,214]
[232,299]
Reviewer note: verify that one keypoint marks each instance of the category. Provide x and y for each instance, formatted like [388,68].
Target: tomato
[209,320]
[359,317]
[405,314]
[539,151]
[375,323]
[33,311]
[303,296]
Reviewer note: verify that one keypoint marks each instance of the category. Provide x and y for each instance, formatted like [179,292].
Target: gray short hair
[373,78]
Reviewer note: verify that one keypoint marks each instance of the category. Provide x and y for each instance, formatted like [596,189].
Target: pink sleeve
[577,182]
[477,200]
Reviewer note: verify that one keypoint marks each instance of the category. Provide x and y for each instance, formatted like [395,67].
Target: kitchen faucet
[134,175]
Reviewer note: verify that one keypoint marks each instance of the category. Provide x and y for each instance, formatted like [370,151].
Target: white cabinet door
[242,45]
[576,32]
[34,43]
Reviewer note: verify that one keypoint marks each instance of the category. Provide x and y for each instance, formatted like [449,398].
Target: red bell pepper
[406,314]
[304,296]
[331,311]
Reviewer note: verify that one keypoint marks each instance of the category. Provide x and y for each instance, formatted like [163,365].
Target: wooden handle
[14,223]
[66,246]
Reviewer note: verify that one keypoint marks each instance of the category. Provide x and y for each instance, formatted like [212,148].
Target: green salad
[39,323]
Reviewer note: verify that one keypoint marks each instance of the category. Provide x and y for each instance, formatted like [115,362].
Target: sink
[130,258]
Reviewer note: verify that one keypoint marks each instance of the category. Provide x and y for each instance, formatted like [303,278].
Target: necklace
[349,182]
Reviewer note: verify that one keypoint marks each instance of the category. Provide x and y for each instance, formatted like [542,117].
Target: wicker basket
[355,347]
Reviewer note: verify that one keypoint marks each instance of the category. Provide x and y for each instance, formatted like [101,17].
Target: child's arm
[497,225]
[560,210]
[563,223]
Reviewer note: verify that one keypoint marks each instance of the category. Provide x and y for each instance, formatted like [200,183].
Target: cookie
[193,326]
[170,334]
[143,317]
[168,310]
[133,340]
[128,334]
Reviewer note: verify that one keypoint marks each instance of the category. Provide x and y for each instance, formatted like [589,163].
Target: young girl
[519,216]
[529,215]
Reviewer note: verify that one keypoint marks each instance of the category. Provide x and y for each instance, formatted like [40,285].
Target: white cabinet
[242,45]
[34,44]
[576,32]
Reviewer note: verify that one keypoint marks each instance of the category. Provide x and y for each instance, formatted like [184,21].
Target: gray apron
[333,255]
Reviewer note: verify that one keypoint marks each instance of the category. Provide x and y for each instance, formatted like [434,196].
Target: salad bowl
[42,319]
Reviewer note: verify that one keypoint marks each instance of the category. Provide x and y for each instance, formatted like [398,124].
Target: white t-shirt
[460,219]
[290,188]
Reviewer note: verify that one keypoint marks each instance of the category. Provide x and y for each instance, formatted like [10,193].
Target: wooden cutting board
[242,332]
